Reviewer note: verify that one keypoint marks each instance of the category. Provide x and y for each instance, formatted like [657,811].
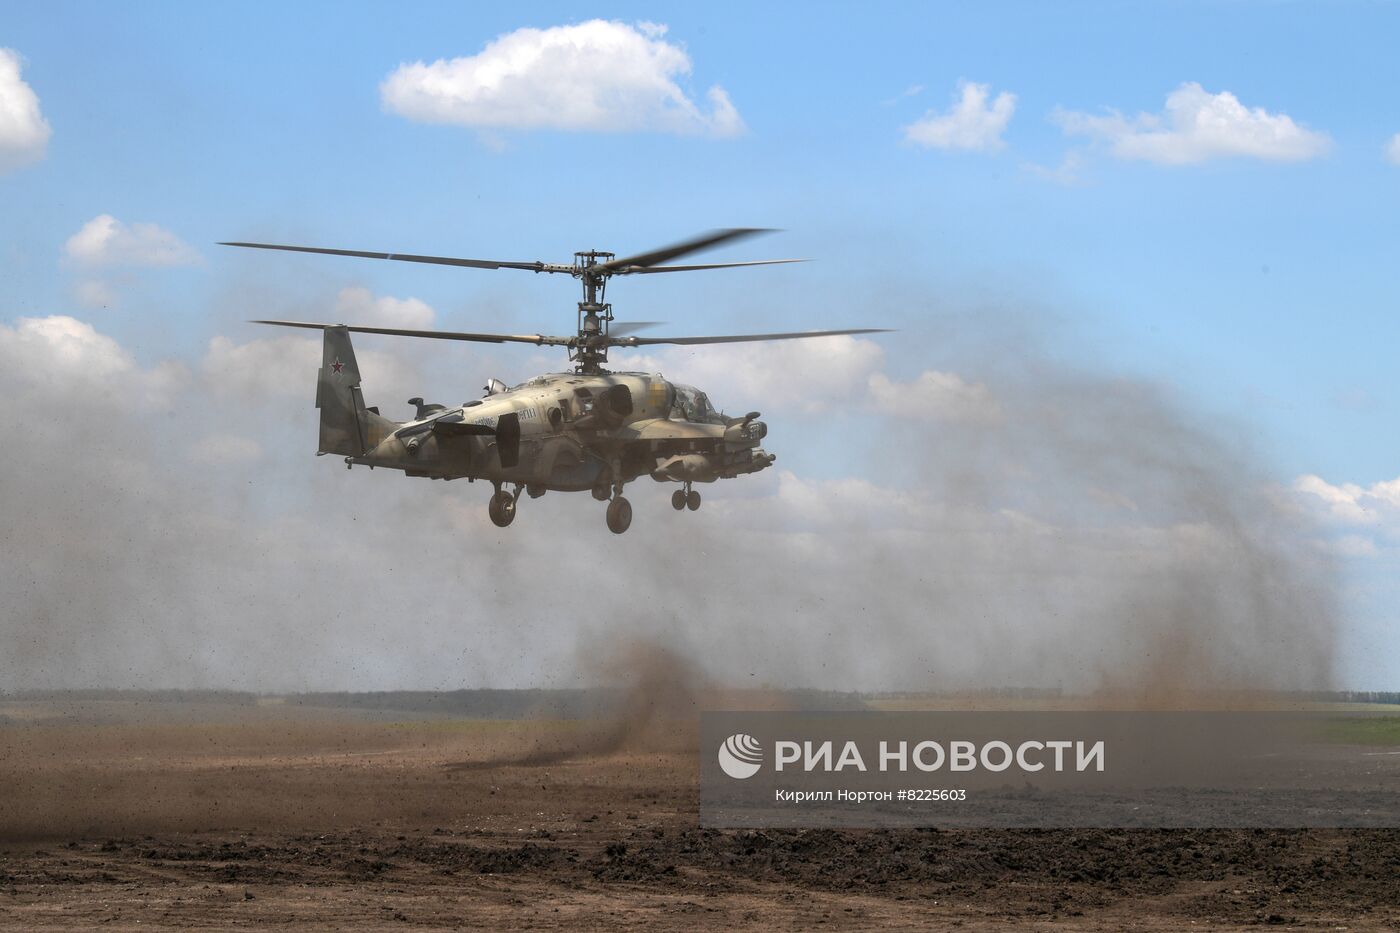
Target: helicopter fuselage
[571,432]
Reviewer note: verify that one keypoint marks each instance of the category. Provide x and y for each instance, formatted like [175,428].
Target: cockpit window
[694,405]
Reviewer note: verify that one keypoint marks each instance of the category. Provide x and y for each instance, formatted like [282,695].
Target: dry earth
[329,821]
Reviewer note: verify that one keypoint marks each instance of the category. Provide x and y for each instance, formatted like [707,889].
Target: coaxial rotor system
[596,334]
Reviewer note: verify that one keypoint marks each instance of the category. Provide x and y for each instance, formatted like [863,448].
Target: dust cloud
[1035,521]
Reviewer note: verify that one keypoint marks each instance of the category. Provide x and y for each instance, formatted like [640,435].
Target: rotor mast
[594,314]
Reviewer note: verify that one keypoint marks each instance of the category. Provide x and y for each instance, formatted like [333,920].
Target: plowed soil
[328,823]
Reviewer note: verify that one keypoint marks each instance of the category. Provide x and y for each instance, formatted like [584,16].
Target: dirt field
[317,820]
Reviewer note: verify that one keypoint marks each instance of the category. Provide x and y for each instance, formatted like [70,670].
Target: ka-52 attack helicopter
[589,429]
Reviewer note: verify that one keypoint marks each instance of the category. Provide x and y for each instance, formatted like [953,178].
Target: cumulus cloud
[804,375]
[358,305]
[819,376]
[279,364]
[972,123]
[107,241]
[1352,504]
[282,365]
[595,76]
[1392,150]
[24,133]
[938,396]
[42,354]
[1354,521]
[1197,126]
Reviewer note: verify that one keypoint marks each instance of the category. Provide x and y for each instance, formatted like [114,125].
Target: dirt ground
[327,822]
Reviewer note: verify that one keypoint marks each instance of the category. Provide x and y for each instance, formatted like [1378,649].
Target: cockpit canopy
[693,404]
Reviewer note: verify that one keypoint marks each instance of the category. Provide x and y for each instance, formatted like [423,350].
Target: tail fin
[347,426]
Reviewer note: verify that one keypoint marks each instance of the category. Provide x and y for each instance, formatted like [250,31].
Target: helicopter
[586,430]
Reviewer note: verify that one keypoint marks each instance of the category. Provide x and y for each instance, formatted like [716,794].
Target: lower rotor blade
[537,339]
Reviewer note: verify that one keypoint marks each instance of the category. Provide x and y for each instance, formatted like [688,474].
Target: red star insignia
[337,366]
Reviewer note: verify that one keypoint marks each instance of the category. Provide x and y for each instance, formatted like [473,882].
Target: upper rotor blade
[693,245]
[537,339]
[647,270]
[407,257]
[747,338]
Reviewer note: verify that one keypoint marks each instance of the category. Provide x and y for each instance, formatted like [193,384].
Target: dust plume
[657,698]
[1033,520]
[1007,513]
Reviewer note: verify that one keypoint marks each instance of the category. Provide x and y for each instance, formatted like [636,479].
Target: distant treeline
[1352,696]
[478,704]
[229,697]
[1000,693]
[578,703]
[574,703]
[481,703]
[1055,693]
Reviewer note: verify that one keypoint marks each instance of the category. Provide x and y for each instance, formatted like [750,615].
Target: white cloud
[807,375]
[819,375]
[24,133]
[284,364]
[42,353]
[106,241]
[65,348]
[935,395]
[1197,126]
[269,366]
[357,305]
[1392,150]
[598,75]
[1351,504]
[971,124]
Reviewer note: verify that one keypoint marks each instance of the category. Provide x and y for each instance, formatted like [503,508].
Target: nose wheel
[502,507]
[686,498]
[619,515]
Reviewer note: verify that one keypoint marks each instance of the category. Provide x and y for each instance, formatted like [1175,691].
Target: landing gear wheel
[678,499]
[619,515]
[692,500]
[502,509]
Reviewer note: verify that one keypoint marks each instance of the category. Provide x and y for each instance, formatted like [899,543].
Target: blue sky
[268,120]
[1258,286]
